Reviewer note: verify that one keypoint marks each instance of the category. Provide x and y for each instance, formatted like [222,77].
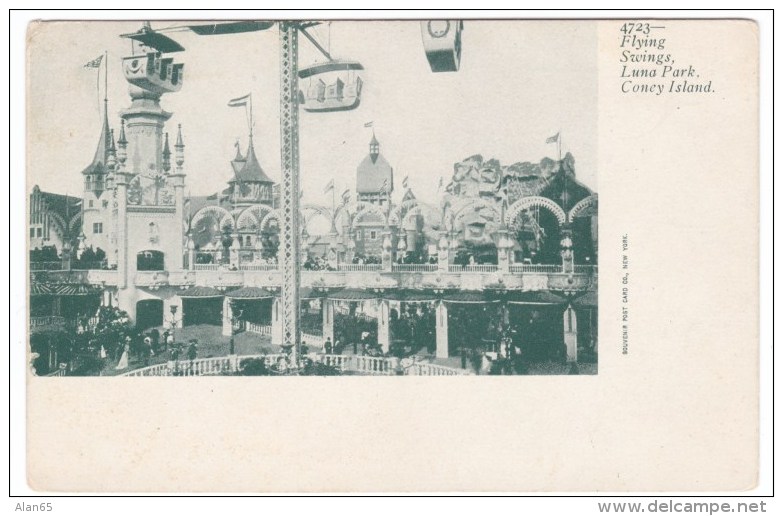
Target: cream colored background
[678,174]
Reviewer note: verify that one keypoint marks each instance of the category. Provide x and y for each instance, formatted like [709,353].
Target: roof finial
[166,154]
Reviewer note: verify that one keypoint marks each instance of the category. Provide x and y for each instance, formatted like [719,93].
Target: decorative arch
[311,210]
[474,205]
[57,223]
[220,214]
[535,202]
[366,208]
[252,215]
[587,202]
[75,221]
[272,215]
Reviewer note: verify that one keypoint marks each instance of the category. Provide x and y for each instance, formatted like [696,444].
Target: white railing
[377,366]
[46,266]
[473,268]
[372,365]
[266,267]
[415,267]
[540,269]
[156,370]
[206,266]
[261,329]
[341,362]
[355,267]
[312,339]
[47,320]
[59,372]
[586,269]
[421,369]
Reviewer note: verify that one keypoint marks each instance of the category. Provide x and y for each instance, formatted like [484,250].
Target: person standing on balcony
[328,346]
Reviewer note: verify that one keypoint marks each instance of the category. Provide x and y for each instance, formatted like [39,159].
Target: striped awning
[469,297]
[350,294]
[200,292]
[589,300]
[410,296]
[250,293]
[75,289]
[40,289]
[539,298]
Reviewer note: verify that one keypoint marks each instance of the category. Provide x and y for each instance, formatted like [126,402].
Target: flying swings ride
[333,85]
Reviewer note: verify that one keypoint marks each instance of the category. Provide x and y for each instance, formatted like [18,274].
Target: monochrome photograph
[273,198]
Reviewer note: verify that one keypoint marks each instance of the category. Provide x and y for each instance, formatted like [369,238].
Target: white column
[384,337]
[442,331]
[569,333]
[227,317]
[277,323]
[327,310]
[234,250]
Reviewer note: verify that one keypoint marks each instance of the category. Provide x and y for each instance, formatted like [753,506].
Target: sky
[519,83]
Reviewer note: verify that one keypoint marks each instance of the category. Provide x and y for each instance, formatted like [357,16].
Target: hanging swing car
[333,85]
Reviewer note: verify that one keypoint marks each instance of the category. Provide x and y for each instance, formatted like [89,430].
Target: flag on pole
[95,63]
[329,186]
[554,139]
[239,101]
[368,124]
[346,196]
[385,186]
[405,182]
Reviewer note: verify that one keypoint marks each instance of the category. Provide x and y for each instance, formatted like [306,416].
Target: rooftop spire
[98,164]
[374,147]
[166,154]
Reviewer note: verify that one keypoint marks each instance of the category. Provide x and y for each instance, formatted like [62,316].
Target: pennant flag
[405,182]
[346,196]
[368,124]
[329,186]
[553,139]
[240,101]
[95,63]
[385,186]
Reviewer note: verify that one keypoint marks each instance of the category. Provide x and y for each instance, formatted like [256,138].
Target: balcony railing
[415,267]
[473,268]
[354,267]
[46,266]
[266,267]
[376,366]
[518,268]
[47,320]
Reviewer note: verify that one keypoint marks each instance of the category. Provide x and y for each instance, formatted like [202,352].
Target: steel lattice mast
[290,191]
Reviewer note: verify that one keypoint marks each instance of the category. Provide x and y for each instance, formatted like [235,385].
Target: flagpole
[559,138]
[106,77]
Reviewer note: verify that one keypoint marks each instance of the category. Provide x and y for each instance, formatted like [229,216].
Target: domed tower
[374,177]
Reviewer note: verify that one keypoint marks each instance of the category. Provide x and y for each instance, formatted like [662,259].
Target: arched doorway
[149,313]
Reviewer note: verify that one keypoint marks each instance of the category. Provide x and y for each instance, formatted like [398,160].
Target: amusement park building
[522,235]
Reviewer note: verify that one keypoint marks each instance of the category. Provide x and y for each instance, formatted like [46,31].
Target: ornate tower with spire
[374,176]
[96,214]
[249,185]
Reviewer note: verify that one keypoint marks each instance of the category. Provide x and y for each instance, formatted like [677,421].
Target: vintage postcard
[226,219]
